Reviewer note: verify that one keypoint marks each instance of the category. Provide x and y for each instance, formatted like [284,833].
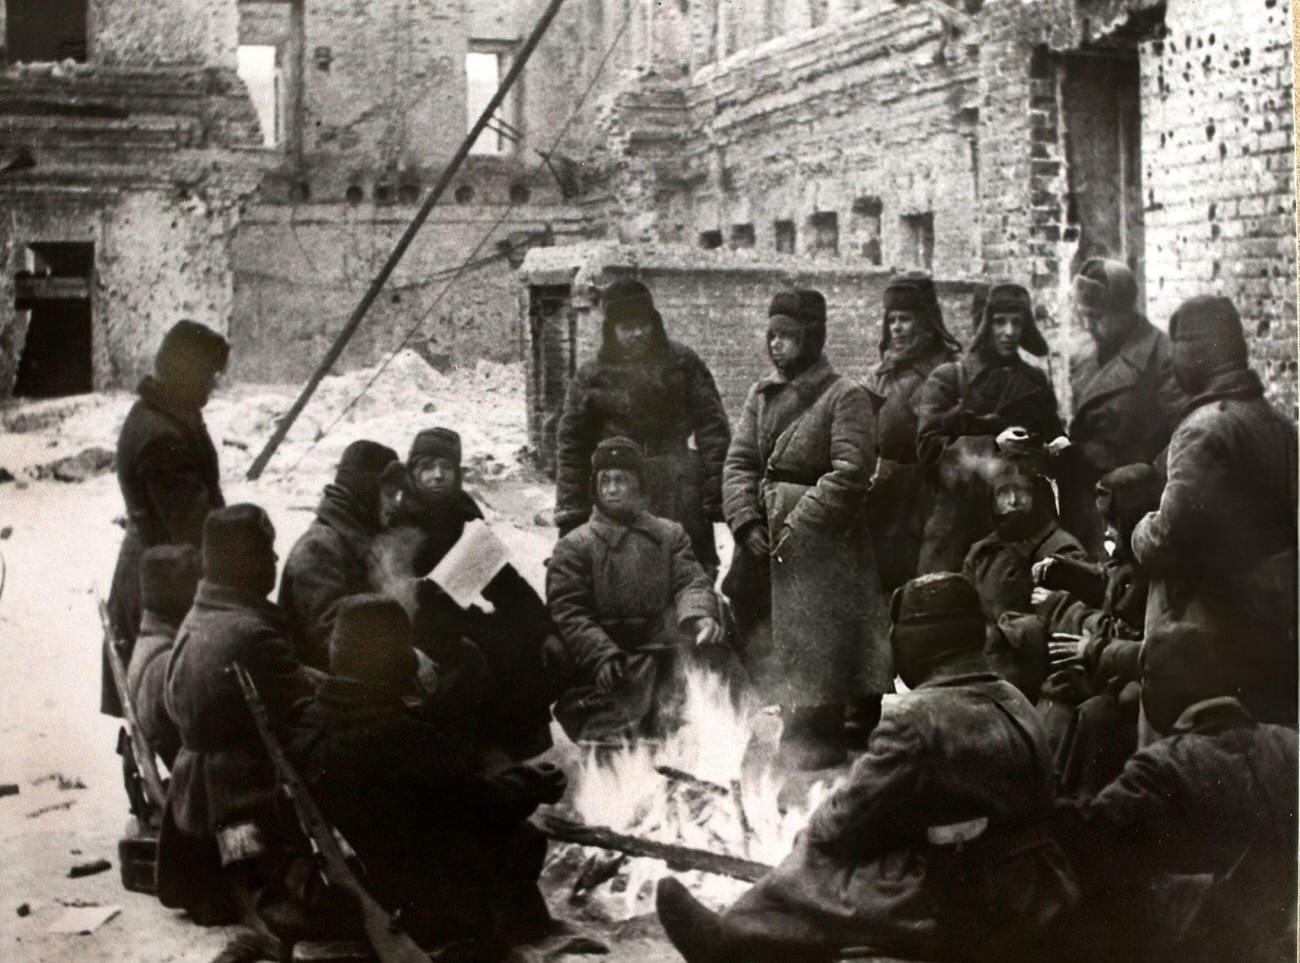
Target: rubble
[91,868]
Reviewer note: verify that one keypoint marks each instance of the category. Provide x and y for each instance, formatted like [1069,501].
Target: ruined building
[250,164]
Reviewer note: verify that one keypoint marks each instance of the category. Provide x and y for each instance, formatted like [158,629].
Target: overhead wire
[473,254]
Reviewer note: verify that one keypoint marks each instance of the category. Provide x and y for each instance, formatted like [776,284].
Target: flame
[723,794]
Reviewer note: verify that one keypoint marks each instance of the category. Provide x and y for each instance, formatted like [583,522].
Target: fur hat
[435,443]
[1003,298]
[189,346]
[372,643]
[1215,320]
[618,452]
[803,304]
[232,537]
[169,575]
[914,291]
[1105,285]
[934,616]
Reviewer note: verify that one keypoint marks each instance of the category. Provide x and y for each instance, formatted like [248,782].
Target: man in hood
[167,470]
[631,603]
[1221,549]
[643,386]
[1126,399]
[990,399]
[914,854]
[330,561]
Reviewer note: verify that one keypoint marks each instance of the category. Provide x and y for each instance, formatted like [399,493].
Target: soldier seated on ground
[169,576]
[1190,854]
[632,604]
[497,654]
[218,835]
[447,846]
[917,853]
[330,561]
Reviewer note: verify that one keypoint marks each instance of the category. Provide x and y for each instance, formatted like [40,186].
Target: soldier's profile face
[784,340]
[1105,327]
[902,327]
[1007,329]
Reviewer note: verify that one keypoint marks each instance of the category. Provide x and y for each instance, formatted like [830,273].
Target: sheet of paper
[83,919]
[472,563]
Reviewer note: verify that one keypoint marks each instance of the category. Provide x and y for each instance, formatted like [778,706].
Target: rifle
[389,941]
[146,769]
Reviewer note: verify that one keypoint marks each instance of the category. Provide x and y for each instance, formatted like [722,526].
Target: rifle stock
[144,759]
[390,943]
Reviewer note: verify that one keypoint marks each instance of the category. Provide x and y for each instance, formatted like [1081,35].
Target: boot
[694,930]
[812,737]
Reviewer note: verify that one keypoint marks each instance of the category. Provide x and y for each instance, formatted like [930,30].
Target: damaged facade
[781,139]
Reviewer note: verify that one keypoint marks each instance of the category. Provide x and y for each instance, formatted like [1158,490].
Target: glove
[549,782]
[610,674]
[756,540]
[1015,440]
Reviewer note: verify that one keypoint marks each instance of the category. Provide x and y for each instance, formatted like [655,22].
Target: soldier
[1221,549]
[631,603]
[330,561]
[991,399]
[169,576]
[913,342]
[659,393]
[446,846]
[166,468]
[794,489]
[219,822]
[1126,400]
[915,854]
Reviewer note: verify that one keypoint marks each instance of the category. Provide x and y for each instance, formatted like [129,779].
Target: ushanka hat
[618,452]
[1005,297]
[372,643]
[435,443]
[936,615]
[232,537]
[190,346]
[1105,285]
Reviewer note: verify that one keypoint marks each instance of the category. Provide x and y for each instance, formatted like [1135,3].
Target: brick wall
[1219,172]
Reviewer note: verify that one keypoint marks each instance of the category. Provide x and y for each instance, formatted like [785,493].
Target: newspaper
[472,563]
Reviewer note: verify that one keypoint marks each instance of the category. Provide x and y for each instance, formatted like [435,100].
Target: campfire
[713,785]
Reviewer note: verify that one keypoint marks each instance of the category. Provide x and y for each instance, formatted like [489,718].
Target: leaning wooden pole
[680,858]
[358,314]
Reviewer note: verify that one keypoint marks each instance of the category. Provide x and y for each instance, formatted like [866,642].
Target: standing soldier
[658,393]
[913,342]
[1126,401]
[166,468]
[990,399]
[794,487]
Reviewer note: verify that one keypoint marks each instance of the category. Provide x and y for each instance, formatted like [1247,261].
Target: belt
[783,476]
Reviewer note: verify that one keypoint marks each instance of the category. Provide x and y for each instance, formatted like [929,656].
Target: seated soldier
[427,510]
[330,561]
[169,575]
[916,853]
[1190,854]
[1097,616]
[631,602]
[1000,565]
[448,848]
[216,829]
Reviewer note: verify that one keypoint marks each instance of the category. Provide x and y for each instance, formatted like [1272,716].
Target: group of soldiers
[1094,757]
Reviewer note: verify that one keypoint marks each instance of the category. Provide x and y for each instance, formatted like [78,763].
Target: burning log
[680,775]
[746,830]
[681,858]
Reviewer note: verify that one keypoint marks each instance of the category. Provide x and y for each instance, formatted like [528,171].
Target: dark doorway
[1101,103]
[57,356]
[45,30]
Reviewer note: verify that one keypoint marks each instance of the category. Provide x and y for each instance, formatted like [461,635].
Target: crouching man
[918,853]
[631,603]
[445,846]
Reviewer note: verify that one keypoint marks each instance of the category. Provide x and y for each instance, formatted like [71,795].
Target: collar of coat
[1221,712]
[156,395]
[1241,384]
[965,669]
[613,532]
[339,510]
[977,363]
[226,598]
[155,623]
[807,383]
[1122,371]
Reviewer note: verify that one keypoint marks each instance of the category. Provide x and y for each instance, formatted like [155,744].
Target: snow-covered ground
[59,554]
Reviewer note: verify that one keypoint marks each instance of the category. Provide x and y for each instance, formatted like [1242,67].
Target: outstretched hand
[609,675]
